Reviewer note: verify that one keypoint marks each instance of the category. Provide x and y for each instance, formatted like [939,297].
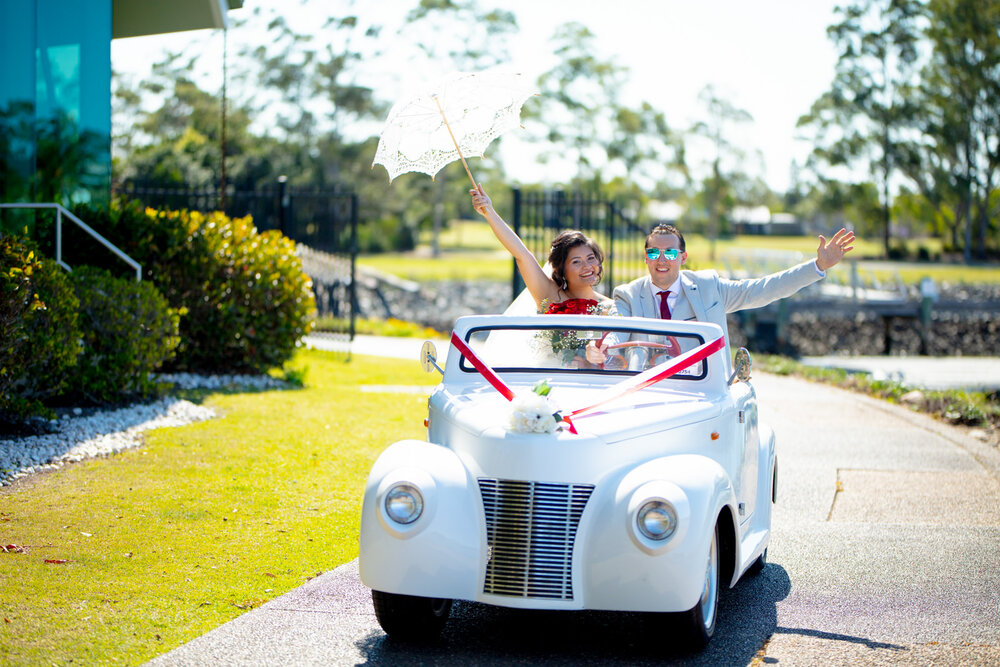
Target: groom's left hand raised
[829,253]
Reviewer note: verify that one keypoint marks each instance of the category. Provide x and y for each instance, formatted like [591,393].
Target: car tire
[409,617]
[697,625]
[758,565]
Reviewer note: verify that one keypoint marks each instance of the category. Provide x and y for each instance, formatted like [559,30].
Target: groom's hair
[561,246]
[664,230]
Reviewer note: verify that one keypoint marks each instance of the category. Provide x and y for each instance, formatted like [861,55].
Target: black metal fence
[326,222]
[540,216]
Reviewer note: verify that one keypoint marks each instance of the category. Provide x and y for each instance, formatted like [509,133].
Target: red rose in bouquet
[573,307]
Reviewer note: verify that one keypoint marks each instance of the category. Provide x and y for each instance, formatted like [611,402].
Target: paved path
[884,551]
[378,346]
[969,373]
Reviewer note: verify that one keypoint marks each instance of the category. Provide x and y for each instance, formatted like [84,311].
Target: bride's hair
[561,246]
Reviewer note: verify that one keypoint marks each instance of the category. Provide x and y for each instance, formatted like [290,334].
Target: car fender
[440,554]
[625,570]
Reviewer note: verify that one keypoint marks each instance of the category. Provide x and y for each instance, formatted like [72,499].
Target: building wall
[55,100]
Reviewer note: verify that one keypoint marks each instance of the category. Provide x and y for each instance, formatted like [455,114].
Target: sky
[771,58]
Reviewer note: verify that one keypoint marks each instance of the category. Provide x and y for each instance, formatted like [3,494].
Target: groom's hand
[829,253]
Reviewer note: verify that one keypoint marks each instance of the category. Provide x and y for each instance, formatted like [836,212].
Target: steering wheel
[641,354]
[672,347]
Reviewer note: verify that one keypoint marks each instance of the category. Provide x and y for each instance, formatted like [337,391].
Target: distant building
[665,212]
[55,87]
[758,220]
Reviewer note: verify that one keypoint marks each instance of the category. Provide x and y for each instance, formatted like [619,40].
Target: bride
[576,261]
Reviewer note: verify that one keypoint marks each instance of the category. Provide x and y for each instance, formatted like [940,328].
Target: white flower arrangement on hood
[534,412]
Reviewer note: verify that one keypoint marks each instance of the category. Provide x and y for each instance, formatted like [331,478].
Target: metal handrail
[60,211]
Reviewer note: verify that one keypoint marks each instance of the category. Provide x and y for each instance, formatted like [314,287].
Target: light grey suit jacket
[709,297]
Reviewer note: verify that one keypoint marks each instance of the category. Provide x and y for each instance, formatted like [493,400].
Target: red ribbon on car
[655,374]
[624,388]
[483,369]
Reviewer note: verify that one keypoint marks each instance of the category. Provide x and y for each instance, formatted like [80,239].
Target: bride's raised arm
[541,286]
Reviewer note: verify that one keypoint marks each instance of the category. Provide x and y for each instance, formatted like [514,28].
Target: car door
[747,416]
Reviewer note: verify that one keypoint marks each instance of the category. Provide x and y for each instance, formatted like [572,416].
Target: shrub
[129,331]
[39,332]
[246,298]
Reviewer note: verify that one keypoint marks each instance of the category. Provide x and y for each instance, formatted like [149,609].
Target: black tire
[758,565]
[697,625]
[410,618]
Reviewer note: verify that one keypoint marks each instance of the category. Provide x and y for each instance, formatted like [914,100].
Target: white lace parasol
[459,116]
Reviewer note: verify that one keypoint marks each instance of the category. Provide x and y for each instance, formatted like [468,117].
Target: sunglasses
[653,254]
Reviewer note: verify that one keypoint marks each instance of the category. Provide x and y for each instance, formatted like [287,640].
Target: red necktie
[664,306]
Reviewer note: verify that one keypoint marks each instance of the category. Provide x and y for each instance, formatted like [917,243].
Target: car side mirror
[428,358]
[741,366]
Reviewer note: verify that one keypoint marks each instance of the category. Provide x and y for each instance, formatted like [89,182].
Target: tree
[476,40]
[578,104]
[720,187]
[580,115]
[956,160]
[858,119]
[837,204]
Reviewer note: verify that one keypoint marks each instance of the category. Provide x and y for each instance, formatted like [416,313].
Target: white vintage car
[642,483]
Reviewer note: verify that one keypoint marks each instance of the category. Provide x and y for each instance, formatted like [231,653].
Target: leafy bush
[246,298]
[129,330]
[39,332]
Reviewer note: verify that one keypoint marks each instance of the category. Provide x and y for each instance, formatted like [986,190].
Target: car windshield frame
[686,340]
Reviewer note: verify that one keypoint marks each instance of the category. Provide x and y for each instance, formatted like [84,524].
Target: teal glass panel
[17,101]
[73,100]
[55,100]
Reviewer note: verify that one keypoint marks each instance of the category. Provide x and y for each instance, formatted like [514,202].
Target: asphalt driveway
[886,549]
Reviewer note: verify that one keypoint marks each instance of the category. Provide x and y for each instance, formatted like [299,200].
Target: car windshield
[629,350]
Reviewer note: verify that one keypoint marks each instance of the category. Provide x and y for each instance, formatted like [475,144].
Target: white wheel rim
[708,595]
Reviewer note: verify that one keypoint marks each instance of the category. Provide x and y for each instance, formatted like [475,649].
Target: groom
[670,292]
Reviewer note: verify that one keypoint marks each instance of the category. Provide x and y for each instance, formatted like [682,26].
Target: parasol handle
[462,157]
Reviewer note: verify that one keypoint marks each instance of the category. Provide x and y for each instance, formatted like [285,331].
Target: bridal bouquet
[534,412]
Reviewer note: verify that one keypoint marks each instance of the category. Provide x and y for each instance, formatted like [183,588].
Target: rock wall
[951,333]
[965,322]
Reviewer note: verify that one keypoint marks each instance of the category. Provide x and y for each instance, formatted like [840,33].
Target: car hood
[485,413]
[644,425]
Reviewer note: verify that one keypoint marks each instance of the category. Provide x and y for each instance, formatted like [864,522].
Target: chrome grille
[530,529]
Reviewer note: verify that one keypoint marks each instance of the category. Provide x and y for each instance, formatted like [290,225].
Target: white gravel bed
[80,436]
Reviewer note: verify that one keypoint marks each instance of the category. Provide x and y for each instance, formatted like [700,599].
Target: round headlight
[657,519]
[403,503]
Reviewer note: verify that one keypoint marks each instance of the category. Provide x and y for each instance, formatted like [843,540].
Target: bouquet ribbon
[624,388]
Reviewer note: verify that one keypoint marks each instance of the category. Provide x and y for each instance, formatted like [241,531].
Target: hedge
[246,300]
[129,330]
[39,330]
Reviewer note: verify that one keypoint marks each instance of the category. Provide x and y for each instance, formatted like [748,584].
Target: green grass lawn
[168,541]
[469,251]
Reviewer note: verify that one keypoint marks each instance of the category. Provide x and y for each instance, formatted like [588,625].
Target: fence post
[855,279]
[516,284]
[610,252]
[282,204]
[59,258]
[354,257]
[928,295]
[781,327]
